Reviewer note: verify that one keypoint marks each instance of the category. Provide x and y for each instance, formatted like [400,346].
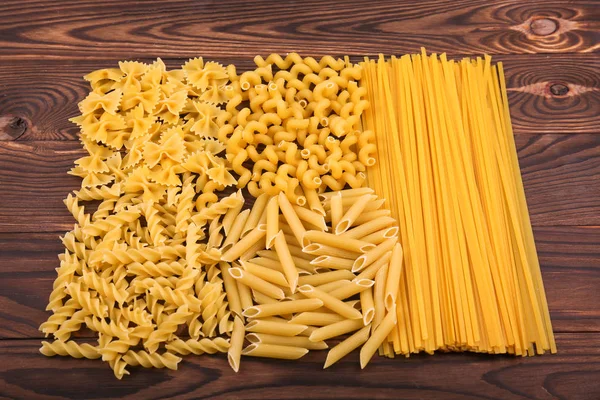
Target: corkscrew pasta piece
[69,348]
[204,345]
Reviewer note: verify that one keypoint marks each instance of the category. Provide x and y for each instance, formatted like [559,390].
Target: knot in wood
[543,26]
[558,89]
[11,128]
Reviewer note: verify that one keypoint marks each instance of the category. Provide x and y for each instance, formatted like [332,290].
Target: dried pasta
[170,261]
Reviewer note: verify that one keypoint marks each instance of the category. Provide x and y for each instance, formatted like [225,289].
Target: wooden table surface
[550,49]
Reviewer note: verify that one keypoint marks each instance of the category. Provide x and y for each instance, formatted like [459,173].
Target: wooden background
[551,55]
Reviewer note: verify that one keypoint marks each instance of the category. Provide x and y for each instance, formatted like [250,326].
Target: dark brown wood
[27,263]
[550,55]
[559,171]
[45,106]
[83,29]
[574,373]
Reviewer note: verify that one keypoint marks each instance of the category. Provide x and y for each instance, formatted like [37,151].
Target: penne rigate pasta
[256,283]
[330,302]
[336,329]
[347,346]
[293,341]
[274,351]
[332,240]
[355,287]
[236,344]
[275,328]
[272,221]
[282,308]
[354,211]
[321,279]
[247,242]
[313,318]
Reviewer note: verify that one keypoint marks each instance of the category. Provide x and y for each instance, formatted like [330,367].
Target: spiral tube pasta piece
[132,239]
[97,228]
[166,328]
[104,288]
[165,360]
[124,255]
[187,279]
[104,209]
[107,328]
[75,247]
[150,269]
[99,192]
[155,226]
[59,316]
[70,348]
[65,275]
[281,63]
[176,297]
[94,306]
[191,346]
[138,316]
[76,210]
[70,325]
[255,77]
[118,366]
[311,179]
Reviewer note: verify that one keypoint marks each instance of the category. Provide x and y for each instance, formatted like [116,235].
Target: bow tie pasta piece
[215,92]
[206,118]
[138,122]
[133,71]
[201,75]
[168,108]
[108,102]
[112,74]
[221,175]
[170,146]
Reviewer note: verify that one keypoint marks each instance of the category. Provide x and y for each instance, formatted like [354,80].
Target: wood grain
[27,263]
[44,94]
[559,173]
[574,373]
[81,29]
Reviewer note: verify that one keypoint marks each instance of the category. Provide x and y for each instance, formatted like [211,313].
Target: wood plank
[573,373]
[42,94]
[27,263]
[559,172]
[81,29]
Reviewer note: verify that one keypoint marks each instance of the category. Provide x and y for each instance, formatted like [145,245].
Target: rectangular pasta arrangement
[377,204]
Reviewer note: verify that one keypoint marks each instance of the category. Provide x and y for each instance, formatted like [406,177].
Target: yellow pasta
[294,341]
[265,273]
[328,239]
[282,308]
[287,262]
[330,302]
[438,254]
[352,214]
[256,283]
[275,328]
[336,329]
[377,337]
[237,342]
[274,351]
[272,221]
[346,346]
[245,243]
[316,318]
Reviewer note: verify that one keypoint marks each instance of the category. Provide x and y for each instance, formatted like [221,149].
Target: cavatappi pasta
[355,172]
